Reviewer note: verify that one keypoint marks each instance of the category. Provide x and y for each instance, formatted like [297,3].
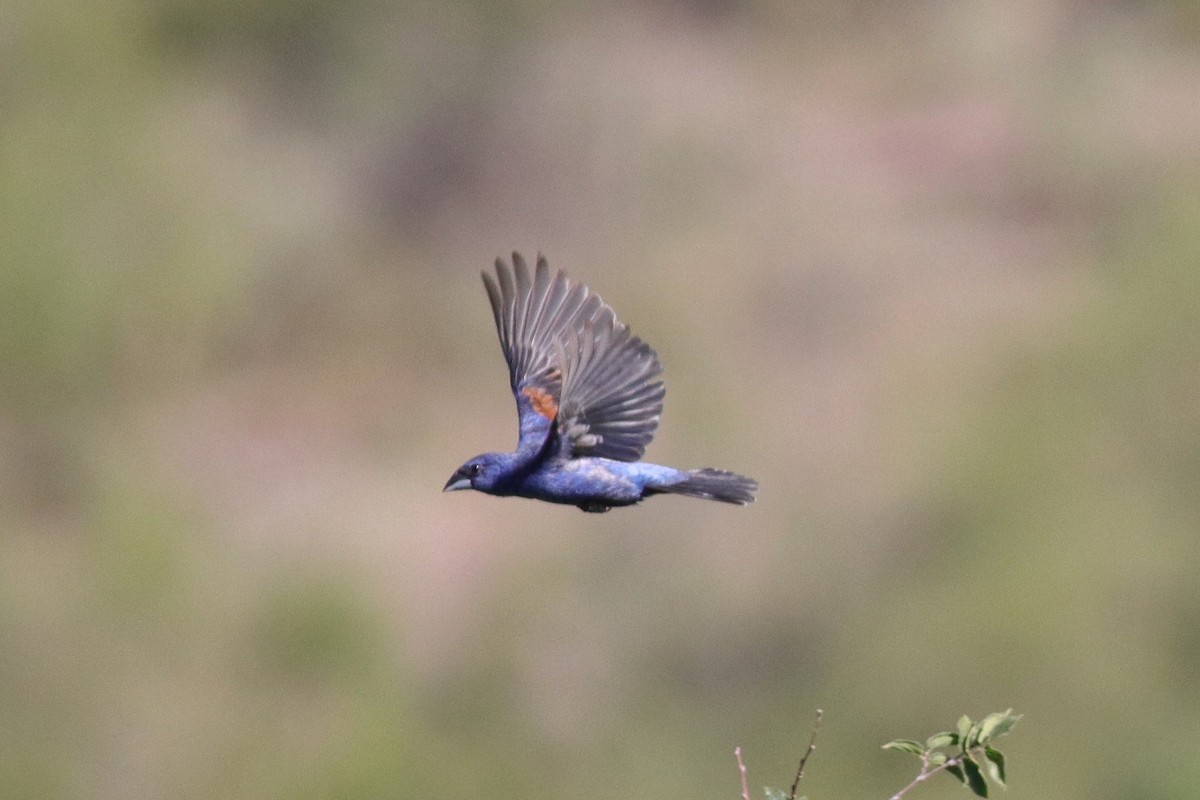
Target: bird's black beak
[457,481]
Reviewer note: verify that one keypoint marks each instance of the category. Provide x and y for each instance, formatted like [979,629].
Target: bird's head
[485,473]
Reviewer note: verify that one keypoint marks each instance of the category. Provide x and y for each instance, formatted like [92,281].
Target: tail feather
[714,484]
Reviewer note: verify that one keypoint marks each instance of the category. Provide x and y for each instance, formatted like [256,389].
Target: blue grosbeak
[588,401]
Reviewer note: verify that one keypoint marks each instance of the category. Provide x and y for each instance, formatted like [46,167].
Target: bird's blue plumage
[588,402]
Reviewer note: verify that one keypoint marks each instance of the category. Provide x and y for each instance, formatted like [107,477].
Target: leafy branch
[966,753]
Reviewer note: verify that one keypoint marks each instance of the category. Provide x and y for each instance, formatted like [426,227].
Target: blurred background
[925,269]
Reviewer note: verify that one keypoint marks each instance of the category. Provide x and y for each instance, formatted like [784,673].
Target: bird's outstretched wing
[532,312]
[611,402]
[572,363]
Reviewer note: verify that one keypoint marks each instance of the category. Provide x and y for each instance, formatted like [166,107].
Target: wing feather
[571,360]
[611,402]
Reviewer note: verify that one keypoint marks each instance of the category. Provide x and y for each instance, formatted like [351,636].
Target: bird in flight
[588,402]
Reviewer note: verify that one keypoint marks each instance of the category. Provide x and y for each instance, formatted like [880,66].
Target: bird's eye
[474,469]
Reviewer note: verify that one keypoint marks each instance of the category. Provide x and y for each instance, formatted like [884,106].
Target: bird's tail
[714,484]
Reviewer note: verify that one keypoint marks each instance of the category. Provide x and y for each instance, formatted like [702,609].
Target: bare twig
[812,745]
[737,753]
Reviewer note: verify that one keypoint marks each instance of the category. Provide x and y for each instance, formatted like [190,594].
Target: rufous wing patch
[543,402]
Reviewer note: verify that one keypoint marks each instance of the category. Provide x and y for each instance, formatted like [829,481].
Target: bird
[588,402]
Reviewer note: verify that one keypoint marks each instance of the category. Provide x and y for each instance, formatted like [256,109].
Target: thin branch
[927,773]
[737,753]
[812,745]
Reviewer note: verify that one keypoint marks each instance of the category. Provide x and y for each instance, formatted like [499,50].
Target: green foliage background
[927,270]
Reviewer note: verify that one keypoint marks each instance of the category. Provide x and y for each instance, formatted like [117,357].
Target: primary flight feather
[588,402]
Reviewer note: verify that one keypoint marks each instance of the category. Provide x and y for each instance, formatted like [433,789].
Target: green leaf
[974,779]
[988,727]
[775,794]
[974,736]
[998,724]
[956,771]
[943,739]
[995,765]
[936,759]
[964,728]
[905,746]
